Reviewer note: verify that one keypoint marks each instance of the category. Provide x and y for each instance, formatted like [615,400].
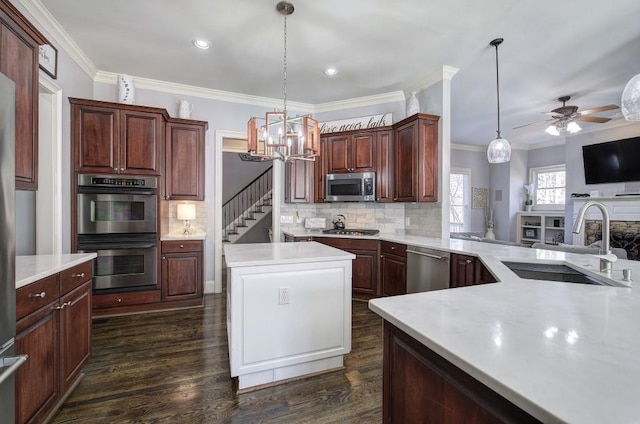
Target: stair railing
[243,206]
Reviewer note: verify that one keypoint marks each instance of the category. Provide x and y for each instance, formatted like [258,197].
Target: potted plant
[528,201]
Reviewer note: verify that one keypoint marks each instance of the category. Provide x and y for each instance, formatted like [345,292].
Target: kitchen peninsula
[289,310]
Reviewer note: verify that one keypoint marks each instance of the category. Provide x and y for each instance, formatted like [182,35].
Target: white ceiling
[584,48]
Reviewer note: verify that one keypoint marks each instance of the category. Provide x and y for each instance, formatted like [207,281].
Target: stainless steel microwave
[354,187]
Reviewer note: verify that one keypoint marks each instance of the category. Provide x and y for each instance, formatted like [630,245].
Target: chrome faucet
[605,263]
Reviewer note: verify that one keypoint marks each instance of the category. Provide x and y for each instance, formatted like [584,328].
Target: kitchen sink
[551,272]
[352,232]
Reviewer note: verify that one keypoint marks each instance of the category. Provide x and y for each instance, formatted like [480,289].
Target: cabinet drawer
[36,295]
[113,300]
[181,246]
[344,243]
[304,238]
[391,248]
[74,277]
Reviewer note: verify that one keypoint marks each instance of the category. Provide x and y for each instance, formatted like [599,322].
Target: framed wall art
[48,60]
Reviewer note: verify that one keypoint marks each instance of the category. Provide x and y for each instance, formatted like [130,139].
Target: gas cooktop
[352,232]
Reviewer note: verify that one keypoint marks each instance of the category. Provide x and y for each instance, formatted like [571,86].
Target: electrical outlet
[283,296]
[286,219]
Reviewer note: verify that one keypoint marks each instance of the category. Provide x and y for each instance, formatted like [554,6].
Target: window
[459,195]
[550,186]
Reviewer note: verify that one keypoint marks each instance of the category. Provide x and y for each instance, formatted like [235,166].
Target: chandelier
[499,150]
[278,136]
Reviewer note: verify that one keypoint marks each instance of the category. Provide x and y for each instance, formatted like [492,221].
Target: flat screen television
[612,162]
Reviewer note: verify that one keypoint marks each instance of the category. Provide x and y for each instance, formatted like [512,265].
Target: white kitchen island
[288,310]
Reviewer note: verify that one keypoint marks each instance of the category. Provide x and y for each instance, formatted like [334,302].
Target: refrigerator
[9,363]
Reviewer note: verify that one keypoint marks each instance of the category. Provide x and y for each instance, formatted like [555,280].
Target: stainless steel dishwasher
[427,269]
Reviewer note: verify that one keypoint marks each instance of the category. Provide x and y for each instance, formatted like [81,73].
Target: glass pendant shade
[573,127]
[631,99]
[499,151]
[552,130]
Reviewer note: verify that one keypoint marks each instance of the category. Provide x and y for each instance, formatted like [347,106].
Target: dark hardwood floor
[173,367]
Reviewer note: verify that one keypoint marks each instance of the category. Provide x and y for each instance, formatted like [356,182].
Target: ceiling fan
[564,118]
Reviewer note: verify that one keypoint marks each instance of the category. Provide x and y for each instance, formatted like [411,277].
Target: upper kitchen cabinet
[416,159]
[184,152]
[384,166]
[298,181]
[114,138]
[353,152]
[19,50]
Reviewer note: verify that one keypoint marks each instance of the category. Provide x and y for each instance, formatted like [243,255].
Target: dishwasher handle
[429,255]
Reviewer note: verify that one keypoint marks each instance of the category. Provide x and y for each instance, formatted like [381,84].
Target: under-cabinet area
[382,268]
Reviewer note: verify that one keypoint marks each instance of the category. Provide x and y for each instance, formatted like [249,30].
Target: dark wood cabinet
[19,53]
[184,168]
[354,152]
[182,270]
[393,268]
[112,138]
[416,159]
[299,182]
[468,271]
[384,166]
[75,333]
[364,269]
[320,171]
[54,328]
[420,386]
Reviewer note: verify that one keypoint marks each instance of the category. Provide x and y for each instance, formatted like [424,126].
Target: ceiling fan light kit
[631,99]
[278,136]
[499,150]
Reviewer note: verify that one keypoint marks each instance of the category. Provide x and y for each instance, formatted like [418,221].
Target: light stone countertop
[255,254]
[30,269]
[180,236]
[563,352]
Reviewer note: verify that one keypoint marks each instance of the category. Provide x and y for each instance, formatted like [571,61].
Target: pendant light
[631,99]
[279,136]
[499,150]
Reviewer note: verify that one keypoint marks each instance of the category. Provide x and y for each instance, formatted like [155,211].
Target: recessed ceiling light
[201,44]
[330,71]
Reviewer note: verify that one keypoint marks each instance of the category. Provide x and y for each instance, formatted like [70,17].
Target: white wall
[476,161]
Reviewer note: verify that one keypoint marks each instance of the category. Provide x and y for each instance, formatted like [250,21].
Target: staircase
[247,208]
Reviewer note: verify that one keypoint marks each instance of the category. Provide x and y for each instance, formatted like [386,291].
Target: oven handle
[92,247]
[119,190]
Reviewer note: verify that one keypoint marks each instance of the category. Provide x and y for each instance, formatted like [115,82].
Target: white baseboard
[209,287]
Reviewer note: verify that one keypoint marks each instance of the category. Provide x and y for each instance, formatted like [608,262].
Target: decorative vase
[528,208]
[184,109]
[126,89]
[413,106]
[489,234]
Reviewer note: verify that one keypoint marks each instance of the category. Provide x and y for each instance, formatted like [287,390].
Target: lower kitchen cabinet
[364,280]
[468,271]
[420,386]
[181,270]
[54,328]
[393,268]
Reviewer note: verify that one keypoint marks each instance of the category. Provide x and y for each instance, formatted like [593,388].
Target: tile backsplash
[386,217]
[199,224]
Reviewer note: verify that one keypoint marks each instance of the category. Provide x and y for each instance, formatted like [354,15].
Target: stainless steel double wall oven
[117,218]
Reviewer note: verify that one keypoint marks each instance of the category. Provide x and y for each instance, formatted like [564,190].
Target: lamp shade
[499,151]
[186,211]
[631,99]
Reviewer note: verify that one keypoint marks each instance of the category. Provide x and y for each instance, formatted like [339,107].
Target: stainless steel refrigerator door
[8,366]
[7,245]
[7,211]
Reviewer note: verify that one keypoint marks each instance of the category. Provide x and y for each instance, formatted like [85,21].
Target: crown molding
[393,96]
[46,21]
[205,93]
[468,147]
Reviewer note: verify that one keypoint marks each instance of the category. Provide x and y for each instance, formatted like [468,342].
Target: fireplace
[624,229]
[623,234]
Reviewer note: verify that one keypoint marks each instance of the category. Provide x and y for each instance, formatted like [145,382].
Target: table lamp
[187,212]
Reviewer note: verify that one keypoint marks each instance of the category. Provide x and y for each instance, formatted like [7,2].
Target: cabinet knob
[468,261]
[393,248]
[119,300]
[41,295]
[164,258]
[181,246]
[80,275]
